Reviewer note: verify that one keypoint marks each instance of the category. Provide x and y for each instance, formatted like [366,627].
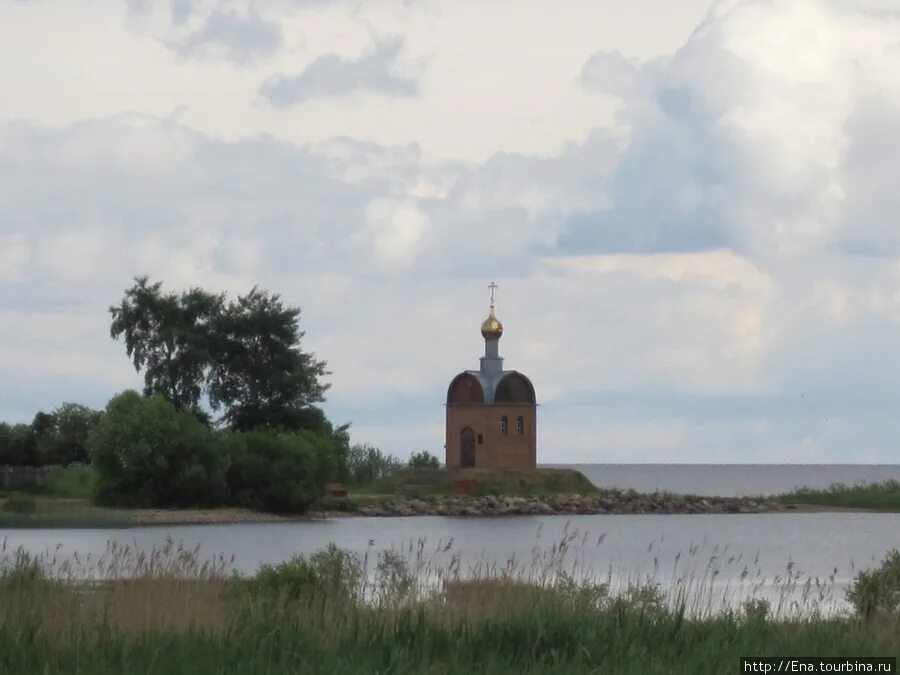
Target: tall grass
[169,610]
[884,496]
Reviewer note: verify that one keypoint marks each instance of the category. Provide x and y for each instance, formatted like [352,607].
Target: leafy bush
[331,572]
[424,460]
[291,578]
[146,453]
[20,503]
[643,597]
[877,591]
[756,609]
[580,593]
[76,481]
[276,471]
[365,464]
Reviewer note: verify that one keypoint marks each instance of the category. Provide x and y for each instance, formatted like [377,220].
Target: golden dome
[492,329]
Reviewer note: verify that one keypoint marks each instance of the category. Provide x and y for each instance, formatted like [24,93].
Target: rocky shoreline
[624,502]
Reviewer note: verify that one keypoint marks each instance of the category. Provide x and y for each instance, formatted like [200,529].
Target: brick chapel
[491,412]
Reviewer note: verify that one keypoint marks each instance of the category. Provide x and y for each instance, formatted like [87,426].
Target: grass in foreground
[883,496]
[325,614]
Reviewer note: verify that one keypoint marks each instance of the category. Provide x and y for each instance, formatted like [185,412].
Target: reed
[416,610]
[883,496]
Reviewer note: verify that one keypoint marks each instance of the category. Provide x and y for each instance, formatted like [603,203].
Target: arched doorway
[467,448]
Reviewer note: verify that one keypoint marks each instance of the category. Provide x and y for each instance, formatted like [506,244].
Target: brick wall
[497,450]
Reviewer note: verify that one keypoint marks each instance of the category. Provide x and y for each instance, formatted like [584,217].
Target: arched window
[504,425]
[520,425]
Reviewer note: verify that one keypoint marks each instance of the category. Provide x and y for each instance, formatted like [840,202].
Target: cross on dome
[492,329]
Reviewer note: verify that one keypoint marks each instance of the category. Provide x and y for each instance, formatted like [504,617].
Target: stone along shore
[626,501]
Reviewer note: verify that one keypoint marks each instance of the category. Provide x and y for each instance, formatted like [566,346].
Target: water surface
[724,550]
[759,550]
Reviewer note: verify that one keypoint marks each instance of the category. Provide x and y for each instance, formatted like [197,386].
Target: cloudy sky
[692,208]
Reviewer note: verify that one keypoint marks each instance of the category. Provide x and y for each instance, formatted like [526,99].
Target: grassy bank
[66,500]
[32,511]
[19,510]
[871,496]
[325,615]
[506,482]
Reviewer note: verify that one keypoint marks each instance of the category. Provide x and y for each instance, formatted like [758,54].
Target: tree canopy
[261,378]
[169,336]
[244,356]
[57,437]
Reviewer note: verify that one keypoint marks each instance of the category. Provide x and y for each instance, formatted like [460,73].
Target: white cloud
[693,323]
[693,230]
[487,81]
[745,137]
[331,76]
[395,230]
[233,31]
[15,254]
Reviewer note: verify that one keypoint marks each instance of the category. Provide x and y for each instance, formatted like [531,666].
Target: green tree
[365,464]
[244,355]
[147,453]
[170,337]
[274,471]
[60,436]
[73,424]
[42,424]
[44,438]
[17,445]
[261,378]
[5,443]
[424,460]
[340,453]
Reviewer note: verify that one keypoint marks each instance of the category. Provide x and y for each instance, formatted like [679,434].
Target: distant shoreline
[475,507]
[458,493]
[626,503]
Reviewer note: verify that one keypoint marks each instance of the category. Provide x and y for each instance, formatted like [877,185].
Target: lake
[725,551]
[732,554]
